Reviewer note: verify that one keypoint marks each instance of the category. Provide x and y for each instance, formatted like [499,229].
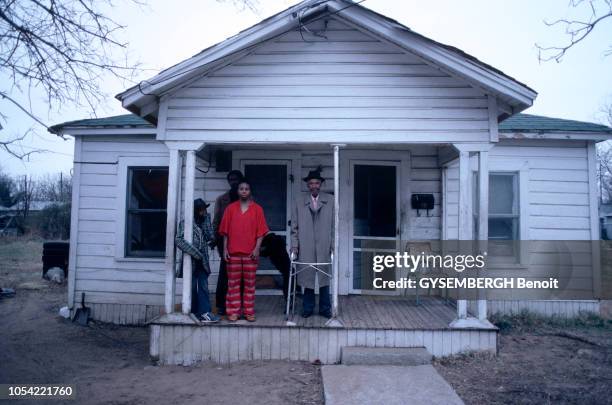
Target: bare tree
[604,157]
[604,173]
[578,29]
[54,188]
[65,48]
[7,190]
[243,4]
[606,113]
[25,193]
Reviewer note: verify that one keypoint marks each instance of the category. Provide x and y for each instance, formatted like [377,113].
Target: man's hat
[314,174]
[198,204]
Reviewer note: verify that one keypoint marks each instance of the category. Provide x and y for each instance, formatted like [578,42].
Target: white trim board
[74,221]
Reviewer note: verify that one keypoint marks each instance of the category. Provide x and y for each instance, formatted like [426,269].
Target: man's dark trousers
[324,301]
[200,300]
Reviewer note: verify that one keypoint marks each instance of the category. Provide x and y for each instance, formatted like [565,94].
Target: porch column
[174,177]
[465,216]
[334,322]
[483,218]
[466,223]
[188,227]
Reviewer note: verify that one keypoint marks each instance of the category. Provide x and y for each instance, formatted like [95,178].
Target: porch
[362,314]
[373,187]
[368,321]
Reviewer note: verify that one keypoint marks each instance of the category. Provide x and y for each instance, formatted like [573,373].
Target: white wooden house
[388,113]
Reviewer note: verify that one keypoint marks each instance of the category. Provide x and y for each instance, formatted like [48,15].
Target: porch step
[387,356]
[267,280]
[267,291]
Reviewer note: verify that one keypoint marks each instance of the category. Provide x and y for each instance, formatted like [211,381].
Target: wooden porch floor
[360,312]
[369,321]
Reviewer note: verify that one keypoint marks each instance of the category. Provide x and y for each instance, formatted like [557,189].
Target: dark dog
[274,247]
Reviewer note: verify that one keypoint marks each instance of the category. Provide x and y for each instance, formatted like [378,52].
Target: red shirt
[243,228]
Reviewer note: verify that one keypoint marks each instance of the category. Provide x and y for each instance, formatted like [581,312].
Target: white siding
[425,177]
[348,87]
[557,207]
[558,187]
[451,201]
[103,278]
[557,308]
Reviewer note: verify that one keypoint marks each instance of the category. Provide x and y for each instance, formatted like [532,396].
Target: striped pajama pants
[240,268]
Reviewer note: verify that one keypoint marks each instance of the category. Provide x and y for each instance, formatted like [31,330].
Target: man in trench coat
[312,240]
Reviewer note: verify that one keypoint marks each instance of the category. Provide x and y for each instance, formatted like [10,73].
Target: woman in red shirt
[243,227]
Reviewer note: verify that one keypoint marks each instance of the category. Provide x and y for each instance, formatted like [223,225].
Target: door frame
[291,158]
[404,157]
[278,162]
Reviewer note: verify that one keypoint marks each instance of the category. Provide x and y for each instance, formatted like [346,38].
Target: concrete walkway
[389,385]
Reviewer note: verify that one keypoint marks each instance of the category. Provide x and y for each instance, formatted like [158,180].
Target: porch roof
[517,123]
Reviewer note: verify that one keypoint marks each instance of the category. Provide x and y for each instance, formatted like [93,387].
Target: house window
[503,206]
[504,217]
[147,194]
[504,213]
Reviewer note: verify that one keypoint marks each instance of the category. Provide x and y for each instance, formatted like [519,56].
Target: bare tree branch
[606,112]
[65,48]
[251,5]
[13,146]
[577,30]
[34,117]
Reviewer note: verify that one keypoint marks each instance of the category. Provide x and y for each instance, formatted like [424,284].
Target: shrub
[55,221]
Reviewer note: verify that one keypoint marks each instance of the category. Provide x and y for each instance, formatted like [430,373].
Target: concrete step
[385,356]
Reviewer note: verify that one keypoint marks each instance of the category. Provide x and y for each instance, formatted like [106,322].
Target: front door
[375,220]
[271,189]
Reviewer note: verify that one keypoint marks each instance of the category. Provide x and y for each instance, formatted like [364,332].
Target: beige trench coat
[312,233]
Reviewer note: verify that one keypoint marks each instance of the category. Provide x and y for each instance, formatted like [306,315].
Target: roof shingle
[538,123]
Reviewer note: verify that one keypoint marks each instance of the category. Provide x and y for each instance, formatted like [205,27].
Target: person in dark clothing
[233,179]
[312,236]
[198,250]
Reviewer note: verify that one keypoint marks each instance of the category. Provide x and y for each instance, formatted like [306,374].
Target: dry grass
[527,321]
[20,260]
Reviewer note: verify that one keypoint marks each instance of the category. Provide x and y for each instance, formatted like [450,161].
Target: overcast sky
[501,33]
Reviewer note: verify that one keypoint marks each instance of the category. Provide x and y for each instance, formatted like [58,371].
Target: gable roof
[143,98]
[516,123]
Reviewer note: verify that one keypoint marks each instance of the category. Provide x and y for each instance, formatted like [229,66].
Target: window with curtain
[147,192]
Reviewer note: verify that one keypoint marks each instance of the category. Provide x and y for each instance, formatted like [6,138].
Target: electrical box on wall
[422,202]
[223,160]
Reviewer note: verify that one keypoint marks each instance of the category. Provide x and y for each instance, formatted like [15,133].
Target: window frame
[501,165]
[516,202]
[124,164]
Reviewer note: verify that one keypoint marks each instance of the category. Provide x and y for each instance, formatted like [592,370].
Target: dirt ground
[539,362]
[110,364]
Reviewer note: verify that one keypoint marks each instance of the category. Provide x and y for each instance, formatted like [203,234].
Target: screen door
[375,220]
